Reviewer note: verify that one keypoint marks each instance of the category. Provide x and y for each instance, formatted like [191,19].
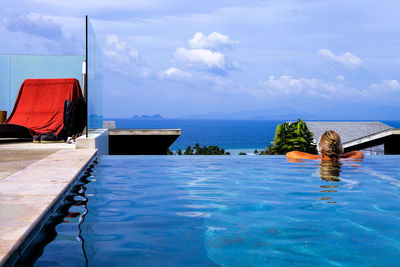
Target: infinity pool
[232,211]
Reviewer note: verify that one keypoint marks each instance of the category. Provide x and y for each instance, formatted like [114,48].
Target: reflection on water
[329,170]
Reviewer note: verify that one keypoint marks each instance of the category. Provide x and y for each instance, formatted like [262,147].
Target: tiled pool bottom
[232,211]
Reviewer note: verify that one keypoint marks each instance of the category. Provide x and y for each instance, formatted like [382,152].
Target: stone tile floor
[15,156]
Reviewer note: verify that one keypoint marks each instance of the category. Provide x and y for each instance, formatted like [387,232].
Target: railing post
[86,80]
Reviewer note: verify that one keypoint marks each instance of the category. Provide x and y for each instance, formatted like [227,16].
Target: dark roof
[347,130]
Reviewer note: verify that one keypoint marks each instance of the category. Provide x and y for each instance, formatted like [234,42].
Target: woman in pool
[330,148]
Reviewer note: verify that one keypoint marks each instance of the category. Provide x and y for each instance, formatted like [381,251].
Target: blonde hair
[330,145]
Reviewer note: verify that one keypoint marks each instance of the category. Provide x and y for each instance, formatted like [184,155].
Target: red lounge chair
[39,107]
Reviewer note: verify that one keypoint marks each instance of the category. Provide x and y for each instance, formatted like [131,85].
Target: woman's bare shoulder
[301,155]
[352,155]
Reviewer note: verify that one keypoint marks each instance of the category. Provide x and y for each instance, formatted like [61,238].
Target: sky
[296,58]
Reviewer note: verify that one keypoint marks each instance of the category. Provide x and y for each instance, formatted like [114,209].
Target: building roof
[377,137]
[348,131]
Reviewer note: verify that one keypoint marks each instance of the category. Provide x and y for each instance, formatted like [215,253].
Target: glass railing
[94,80]
[14,69]
[4,83]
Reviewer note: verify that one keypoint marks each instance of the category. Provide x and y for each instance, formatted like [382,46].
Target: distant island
[147,117]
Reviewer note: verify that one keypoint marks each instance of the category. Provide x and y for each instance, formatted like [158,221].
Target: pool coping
[57,174]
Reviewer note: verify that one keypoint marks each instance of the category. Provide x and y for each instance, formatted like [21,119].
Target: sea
[232,135]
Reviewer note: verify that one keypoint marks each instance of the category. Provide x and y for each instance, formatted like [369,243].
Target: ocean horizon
[232,135]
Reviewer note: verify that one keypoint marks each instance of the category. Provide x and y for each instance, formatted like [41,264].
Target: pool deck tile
[30,192]
[15,156]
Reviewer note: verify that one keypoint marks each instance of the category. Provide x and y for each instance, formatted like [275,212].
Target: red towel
[40,104]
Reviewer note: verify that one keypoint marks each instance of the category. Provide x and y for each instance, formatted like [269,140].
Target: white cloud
[387,91]
[387,84]
[214,41]
[119,51]
[287,85]
[36,24]
[201,57]
[203,54]
[290,89]
[347,59]
[103,5]
[124,59]
[175,73]
[340,78]
[384,86]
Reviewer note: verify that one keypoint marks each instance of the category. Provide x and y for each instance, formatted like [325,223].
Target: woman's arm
[301,155]
[352,155]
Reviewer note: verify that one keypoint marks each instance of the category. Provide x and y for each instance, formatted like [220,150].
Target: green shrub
[188,151]
[204,150]
[290,137]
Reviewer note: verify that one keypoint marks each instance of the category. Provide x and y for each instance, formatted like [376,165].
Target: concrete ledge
[109,125]
[97,139]
[141,141]
[144,131]
[31,196]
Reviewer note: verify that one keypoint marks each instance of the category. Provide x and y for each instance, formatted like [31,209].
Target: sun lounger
[39,107]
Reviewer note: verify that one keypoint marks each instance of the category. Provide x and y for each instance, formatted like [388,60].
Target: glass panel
[14,69]
[95,81]
[4,87]
[38,66]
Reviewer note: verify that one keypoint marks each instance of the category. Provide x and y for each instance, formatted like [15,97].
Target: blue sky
[318,59]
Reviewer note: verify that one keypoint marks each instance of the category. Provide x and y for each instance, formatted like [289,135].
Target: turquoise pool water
[232,211]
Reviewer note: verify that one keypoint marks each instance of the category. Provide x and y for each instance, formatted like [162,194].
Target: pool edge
[34,229]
